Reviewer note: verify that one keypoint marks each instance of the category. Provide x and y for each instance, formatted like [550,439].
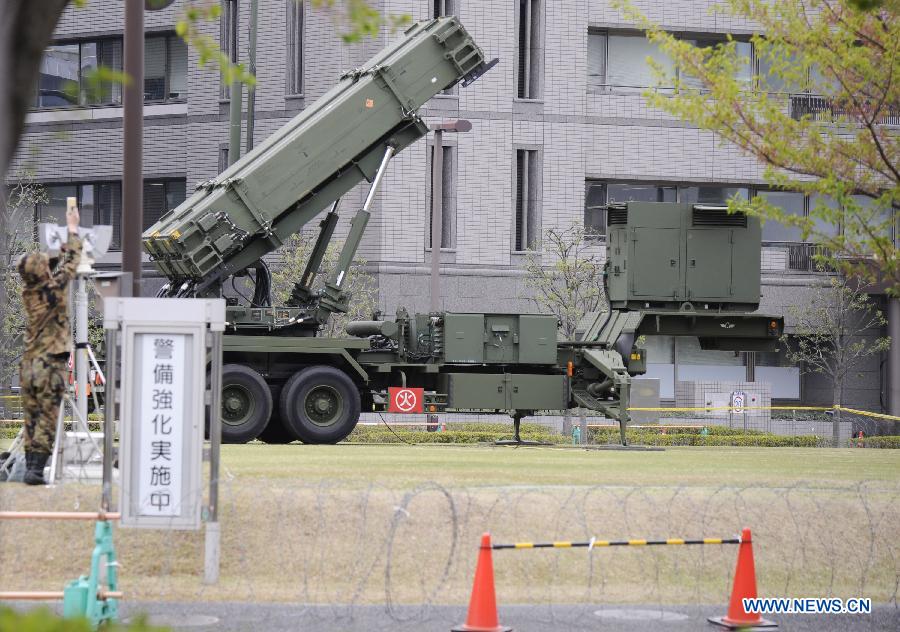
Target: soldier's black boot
[34,468]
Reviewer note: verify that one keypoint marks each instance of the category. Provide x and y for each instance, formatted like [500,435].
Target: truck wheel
[320,404]
[246,403]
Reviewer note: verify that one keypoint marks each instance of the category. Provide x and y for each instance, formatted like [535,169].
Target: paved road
[243,617]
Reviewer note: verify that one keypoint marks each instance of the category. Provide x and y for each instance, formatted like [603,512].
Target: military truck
[672,270]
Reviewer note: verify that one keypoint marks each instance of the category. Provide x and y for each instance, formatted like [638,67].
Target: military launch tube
[364,328]
[255,205]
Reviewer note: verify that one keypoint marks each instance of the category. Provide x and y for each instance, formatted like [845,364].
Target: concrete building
[559,128]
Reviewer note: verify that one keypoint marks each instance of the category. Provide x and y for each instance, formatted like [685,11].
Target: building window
[165,69]
[228,39]
[295,47]
[528,191]
[791,203]
[447,190]
[597,194]
[441,8]
[530,54]
[223,157]
[100,203]
[69,78]
[711,194]
[160,197]
[619,60]
[68,74]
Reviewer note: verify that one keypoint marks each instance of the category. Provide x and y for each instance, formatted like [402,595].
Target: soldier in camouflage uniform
[48,342]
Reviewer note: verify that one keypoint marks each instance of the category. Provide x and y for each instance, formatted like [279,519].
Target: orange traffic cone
[744,588]
[482,615]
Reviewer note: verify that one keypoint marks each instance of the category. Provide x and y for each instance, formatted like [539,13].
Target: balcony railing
[819,108]
[803,258]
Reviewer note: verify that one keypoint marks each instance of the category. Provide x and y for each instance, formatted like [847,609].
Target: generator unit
[662,256]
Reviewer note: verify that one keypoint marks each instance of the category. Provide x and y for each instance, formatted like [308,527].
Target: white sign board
[163,383]
[738,401]
[162,422]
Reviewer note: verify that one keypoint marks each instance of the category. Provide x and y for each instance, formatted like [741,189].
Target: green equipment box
[663,255]
[499,338]
[505,391]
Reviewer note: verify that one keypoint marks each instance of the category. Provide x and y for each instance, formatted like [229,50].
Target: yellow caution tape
[732,408]
[866,413]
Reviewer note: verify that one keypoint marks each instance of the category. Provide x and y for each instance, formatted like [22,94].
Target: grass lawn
[400,524]
[402,466]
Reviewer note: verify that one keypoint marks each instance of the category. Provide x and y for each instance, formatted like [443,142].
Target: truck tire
[320,404]
[246,403]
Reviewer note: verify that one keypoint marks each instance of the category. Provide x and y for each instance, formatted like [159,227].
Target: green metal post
[81,596]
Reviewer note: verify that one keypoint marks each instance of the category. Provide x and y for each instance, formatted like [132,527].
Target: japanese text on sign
[162,424]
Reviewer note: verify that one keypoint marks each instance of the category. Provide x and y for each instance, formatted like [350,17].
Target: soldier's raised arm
[71,255]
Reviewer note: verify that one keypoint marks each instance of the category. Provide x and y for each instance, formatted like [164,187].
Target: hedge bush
[457,433]
[889,441]
[716,436]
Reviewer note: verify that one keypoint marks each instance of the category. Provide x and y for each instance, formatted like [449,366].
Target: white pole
[81,341]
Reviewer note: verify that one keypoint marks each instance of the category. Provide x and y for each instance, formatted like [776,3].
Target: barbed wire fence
[343,546]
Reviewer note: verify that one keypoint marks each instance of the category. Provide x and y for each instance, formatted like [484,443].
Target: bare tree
[359,283]
[18,216]
[567,280]
[570,283]
[833,336]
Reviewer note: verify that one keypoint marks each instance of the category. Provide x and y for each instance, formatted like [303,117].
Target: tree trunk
[836,418]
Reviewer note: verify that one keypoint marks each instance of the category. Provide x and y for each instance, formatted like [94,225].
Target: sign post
[164,345]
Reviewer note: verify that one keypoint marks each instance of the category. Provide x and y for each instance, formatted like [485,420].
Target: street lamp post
[437,202]
[133,138]
[437,219]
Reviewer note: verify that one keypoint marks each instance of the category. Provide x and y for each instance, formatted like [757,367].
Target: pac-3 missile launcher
[672,270]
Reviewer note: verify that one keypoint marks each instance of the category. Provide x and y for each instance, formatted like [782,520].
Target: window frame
[168,36]
[229,40]
[679,188]
[81,101]
[532,200]
[448,194]
[296,43]
[115,245]
[607,32]
[530,50]
[166,182]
